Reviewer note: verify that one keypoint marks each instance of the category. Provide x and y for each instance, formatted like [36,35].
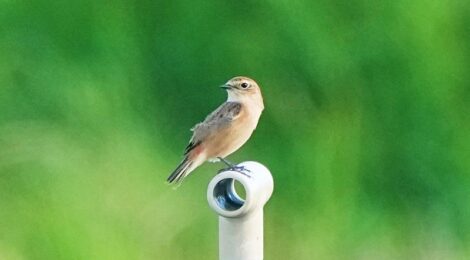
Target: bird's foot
[233,167]
[241,169]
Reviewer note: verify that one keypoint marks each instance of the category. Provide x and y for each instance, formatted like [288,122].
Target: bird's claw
[236,168]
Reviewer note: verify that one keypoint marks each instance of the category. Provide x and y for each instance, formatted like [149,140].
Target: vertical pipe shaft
[241,238]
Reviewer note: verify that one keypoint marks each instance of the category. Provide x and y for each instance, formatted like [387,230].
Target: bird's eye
[244,85]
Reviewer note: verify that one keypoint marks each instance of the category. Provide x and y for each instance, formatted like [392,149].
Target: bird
[224,130]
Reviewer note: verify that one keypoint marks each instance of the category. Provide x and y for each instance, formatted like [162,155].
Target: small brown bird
[225,130]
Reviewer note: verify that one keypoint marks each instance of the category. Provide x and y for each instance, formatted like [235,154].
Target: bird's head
[241,89]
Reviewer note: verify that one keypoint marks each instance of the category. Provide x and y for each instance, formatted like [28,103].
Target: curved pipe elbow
[258,185]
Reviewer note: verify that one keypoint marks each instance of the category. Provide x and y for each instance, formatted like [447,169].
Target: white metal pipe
[241,220]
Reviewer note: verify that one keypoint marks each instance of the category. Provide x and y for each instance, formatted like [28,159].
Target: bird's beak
[226,86]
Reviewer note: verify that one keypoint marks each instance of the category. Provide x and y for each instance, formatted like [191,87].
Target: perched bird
[225,130]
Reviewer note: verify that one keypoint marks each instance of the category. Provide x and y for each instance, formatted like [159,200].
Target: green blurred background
[366,128]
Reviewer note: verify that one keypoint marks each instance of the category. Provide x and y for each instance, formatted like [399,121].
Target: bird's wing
[226,112]
[220,118]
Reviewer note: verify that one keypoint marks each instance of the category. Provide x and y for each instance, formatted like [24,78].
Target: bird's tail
[183,169]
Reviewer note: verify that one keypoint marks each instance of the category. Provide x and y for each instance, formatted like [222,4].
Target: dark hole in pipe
[226,195]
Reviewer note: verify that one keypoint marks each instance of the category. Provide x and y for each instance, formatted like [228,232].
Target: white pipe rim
[227,202]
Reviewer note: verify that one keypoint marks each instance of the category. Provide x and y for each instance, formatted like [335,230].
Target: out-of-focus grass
[366,128]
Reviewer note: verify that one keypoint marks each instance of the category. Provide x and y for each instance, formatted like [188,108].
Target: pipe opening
[226,196]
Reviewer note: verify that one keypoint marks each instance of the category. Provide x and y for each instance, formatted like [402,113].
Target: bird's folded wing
[227,112]
[220,118]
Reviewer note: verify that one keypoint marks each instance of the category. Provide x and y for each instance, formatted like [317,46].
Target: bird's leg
[229,164]
[233,167]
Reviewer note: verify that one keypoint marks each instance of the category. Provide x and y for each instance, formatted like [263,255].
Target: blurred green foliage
[366,128]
